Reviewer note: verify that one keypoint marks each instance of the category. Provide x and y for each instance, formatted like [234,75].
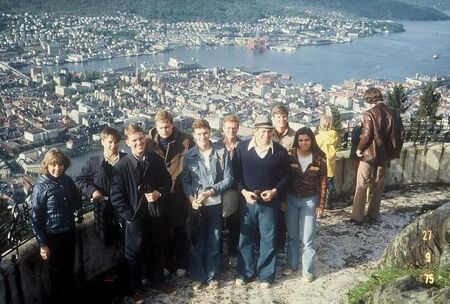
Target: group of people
[174,193]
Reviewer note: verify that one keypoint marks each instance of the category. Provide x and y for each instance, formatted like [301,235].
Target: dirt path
[345,255]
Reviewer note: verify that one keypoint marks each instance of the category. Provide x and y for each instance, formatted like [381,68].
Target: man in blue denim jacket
[207,173]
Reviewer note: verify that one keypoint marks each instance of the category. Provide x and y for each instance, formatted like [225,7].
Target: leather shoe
[138,297]
[164,288]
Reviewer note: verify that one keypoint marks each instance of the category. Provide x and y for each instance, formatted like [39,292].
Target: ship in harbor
[283,48]
[255,44]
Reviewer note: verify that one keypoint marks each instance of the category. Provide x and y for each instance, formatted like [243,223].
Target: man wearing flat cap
[262,174]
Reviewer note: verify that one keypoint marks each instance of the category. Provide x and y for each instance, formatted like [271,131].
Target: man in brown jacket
[171,144]
[381,141]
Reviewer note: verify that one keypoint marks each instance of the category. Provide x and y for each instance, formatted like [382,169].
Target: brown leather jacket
[311,182]
[382,134]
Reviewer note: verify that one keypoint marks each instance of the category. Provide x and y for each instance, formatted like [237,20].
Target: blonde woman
[54,200]
[328,140]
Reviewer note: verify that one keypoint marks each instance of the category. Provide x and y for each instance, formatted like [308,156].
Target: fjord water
[384,56]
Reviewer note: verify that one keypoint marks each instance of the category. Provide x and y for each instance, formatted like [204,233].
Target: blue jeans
[205,254]
[254,217]
[301,226]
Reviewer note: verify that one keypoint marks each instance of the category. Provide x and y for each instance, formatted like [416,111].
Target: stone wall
[416,165]
[424,165]
[28,281]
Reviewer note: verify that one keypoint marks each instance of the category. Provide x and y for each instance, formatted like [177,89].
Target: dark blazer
[125,196]
[96,174]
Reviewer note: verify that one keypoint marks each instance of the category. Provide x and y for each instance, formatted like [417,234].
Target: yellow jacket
[328,141]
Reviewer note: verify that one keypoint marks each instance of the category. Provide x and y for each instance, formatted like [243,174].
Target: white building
[64,91]
[261,90]
[34,135]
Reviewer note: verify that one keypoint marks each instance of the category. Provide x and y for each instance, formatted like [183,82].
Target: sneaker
[181,272]
[372,220]
[196,285]
[288,271]
[138,297]
[265,285]
[164,288]
[307,279]
[354,222]
[239,282]
[233,261]
[214,284]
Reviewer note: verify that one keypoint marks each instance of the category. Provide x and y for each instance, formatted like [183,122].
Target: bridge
[6,67]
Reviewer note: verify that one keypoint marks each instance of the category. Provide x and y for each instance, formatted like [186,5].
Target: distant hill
[381,9]
[442,5]
[227,10]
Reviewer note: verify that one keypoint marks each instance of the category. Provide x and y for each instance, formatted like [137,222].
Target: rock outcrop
[421,243]
[424,243]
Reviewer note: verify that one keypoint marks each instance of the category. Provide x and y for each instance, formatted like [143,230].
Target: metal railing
[16,230]
[420,133]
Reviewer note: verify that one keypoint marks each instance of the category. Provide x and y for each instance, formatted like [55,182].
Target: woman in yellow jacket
[328,140]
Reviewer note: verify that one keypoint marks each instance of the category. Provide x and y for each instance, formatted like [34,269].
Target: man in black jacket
[95,180]
[140,184]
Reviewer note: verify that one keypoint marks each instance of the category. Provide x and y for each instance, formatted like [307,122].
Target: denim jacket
[196,176]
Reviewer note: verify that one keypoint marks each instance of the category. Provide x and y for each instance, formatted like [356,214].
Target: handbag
[194,221]
[230,200]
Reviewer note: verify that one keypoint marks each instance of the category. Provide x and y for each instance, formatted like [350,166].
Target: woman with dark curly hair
[54,200]
[305,201]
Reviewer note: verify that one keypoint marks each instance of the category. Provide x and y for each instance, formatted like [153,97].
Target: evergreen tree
[337,120]
[397,98]
[429,102]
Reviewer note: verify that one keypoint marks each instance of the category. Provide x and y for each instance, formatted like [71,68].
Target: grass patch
[360,293]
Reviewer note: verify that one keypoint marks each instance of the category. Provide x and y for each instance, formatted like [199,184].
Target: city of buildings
[48,39]
[68,110]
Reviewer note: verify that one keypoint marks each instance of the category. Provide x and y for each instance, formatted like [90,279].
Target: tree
[429,102]
[397,98]
[337,120]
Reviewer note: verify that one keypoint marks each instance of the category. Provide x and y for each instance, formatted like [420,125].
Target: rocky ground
[346,254]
